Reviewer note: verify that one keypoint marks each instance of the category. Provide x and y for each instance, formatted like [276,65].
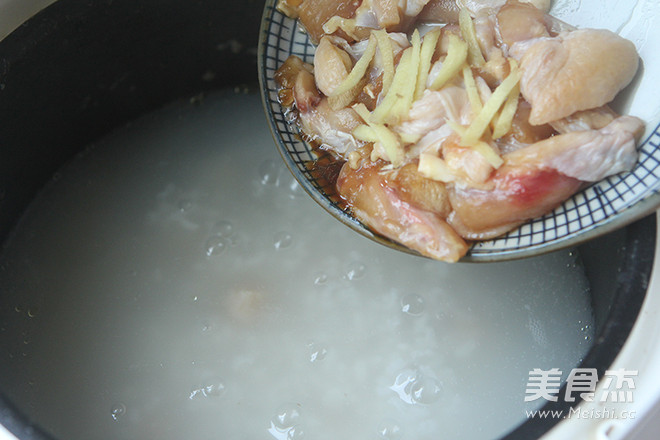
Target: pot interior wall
[80,69]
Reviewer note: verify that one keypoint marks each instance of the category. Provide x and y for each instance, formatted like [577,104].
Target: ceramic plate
[598,209]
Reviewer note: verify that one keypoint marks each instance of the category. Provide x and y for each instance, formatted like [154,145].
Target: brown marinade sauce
[324,170]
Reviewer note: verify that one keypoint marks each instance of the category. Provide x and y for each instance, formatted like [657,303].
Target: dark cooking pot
[81,68]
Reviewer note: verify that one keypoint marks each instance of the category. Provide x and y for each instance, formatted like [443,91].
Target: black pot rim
[628,300]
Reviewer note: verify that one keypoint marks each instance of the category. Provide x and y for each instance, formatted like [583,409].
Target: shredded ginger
[407,81]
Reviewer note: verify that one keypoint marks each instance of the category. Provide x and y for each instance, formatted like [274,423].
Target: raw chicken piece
[305,93]
[522,133]
[441,11]
[466,163]
[484,25]
[475,6]
[357,17]
[314,14]
[446,11]
[555,71]
[377,204]
[536,179]
[434,109]
[543,5]
[594,119]
[589,155]
[518,193]
[496,67]
[319,122]
[386,13]
[419,191]
[414,7]
[331,128]
[331,65]
[393,15]
[517,21]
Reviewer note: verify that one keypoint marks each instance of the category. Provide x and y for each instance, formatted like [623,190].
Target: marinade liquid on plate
[173,281]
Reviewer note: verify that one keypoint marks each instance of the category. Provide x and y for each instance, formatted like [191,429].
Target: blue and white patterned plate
[598,209]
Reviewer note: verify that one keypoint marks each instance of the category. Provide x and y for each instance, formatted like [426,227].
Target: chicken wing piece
[377,203]
[519,193]
[589,155]
[536,179]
